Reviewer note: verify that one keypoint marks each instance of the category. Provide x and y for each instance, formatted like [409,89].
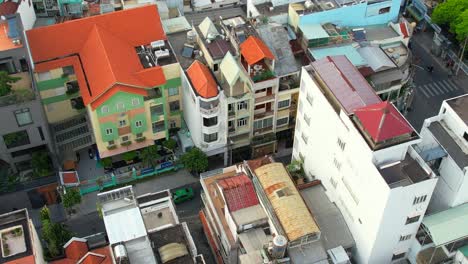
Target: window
[310,99]
[120,106]
[41,133]
[465,136]
[109,131]
[419,199]
[284,103]
[139,135]
[157,110]
[341,144]
[242,105]
[135,101]
[122,123]
[405,237]
[398,256]
[104,109]
[242,122]
[23,117]
[139,123]
[333,183]
[305,138]
[282,121]
[68,70]
[212,121]
[172,124]
[124,138]
[210,137]
[158,126]
[259,124]
[174,106]
[16,139]
[173,91]
[384,10]
[215,67]
[44,76]
[111,142]
[307,119]
[337,164]
[410,220]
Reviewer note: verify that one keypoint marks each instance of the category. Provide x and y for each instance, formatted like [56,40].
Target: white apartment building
[361,150]
[444,147]
[206,110]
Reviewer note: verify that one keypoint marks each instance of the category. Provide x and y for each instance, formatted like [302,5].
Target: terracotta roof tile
[202,80]
[76,249]
[253,50]
[382,121]
[69,177]
[105,45]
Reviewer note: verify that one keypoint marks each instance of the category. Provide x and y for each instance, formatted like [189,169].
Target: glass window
[124,138]
[282,121]
[120,106]
[212,121]
[23,117]
[139,135]
[122,123]
[242,105]
[109,131]
[138,123]
[104,109]
[242,122]
[210,137]
[174,106]
[135,101]
[284,103]
[173,91]
[68,70]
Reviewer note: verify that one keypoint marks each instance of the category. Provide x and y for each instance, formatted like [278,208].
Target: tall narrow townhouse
[258,63]
[24,128]
[362,150]
[206,119]
[444,147]
[121,76]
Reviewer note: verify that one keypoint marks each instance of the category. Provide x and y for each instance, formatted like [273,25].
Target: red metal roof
[202,80]
[345,82]
[254,49]
[105,45]
[238,192]
[383,121]
[404,29]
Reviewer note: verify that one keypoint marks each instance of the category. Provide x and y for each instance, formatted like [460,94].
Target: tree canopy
[148,155]
[453,13]
[5,82]
[195,160]
[71,198]
[54,234]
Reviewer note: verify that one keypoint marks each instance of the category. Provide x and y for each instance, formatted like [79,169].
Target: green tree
[5,82]
[40,164]
[44,214]
[106,162]
[149,154]
[195,160]
[54,234]
[452,13]
[71,198]
[170,144]
[130,155]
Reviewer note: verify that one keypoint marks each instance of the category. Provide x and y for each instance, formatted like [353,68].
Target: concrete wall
[28,16]
[362,14]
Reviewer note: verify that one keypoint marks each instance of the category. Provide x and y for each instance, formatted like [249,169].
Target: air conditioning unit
[162,53]
[158,44]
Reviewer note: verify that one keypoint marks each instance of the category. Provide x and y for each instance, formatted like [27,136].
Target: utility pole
[461,56]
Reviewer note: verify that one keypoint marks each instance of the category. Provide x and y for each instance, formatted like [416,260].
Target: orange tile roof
[26,260]
[100,255]
[253,50]
[70,177]
[76,249]
[105,49]
[202,80]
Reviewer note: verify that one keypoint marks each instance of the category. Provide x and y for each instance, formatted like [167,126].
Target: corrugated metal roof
[238,192]
[293,214]
[348,50]
[345,82]
[230,69]
[447,226]
[313,31]
[376,58]
[125,225]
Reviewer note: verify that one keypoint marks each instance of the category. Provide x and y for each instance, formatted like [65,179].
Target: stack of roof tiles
[238,192]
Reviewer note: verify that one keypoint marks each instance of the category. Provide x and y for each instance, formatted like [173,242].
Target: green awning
[447,226]
[415,13]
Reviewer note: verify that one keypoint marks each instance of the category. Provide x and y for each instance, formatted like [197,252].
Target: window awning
[447,226]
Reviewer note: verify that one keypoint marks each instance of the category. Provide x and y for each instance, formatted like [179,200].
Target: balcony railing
[210,107]
[16,97]
[264,114]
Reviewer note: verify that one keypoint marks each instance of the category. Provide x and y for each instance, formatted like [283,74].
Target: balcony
[210,107]
[263,114]
[263,130]
[21,91]
[153,94]
[288,83]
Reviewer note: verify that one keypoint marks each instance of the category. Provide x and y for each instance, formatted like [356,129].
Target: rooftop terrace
[404,173]
[460,106]
[186,50]
[15,236]
[448,141]
[167,236]
[307,7]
